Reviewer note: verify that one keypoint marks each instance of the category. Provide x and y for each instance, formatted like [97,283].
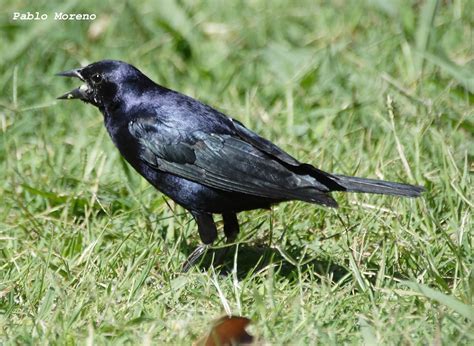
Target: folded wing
[226,162]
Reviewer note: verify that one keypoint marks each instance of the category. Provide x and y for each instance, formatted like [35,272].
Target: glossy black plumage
[205,161]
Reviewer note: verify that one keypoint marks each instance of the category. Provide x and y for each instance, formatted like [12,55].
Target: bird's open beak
[81,93]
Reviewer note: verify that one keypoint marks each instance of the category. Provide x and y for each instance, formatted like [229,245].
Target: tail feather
[363,185]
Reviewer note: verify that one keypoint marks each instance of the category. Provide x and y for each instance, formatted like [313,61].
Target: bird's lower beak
[81,93]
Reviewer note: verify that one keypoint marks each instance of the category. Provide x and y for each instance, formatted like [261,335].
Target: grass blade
[462,75]
[423,33]
[367,332]
[451,302]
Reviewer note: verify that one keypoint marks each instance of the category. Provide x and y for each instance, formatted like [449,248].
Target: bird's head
[104,82]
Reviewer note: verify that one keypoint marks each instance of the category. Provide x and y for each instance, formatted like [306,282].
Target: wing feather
[224,162]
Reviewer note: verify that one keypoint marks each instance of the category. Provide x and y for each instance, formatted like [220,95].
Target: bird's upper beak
[81,93]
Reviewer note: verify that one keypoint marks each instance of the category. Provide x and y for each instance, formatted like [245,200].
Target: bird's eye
[96,78]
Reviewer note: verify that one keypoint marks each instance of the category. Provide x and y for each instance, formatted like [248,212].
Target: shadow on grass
[252,259]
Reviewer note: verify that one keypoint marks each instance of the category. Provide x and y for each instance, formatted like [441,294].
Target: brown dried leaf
[228,331]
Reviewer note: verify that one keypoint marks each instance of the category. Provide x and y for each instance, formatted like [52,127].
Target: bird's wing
[224,162]
[263,144]
[324,180]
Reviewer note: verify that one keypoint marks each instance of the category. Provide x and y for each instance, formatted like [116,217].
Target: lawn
[91,254]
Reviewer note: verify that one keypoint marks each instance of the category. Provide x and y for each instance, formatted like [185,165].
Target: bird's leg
[207,232]
[231,230]
[231,226]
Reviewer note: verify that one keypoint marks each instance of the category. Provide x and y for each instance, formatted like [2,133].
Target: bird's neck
[117,128]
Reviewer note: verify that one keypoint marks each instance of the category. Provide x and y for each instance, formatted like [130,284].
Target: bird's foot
[194,257]
[218,259]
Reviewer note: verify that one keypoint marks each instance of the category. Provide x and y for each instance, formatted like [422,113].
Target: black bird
[204,160]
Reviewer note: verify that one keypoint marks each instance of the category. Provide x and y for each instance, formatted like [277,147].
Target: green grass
[90,253]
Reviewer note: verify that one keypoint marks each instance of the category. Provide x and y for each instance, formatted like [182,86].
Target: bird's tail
[363,185]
